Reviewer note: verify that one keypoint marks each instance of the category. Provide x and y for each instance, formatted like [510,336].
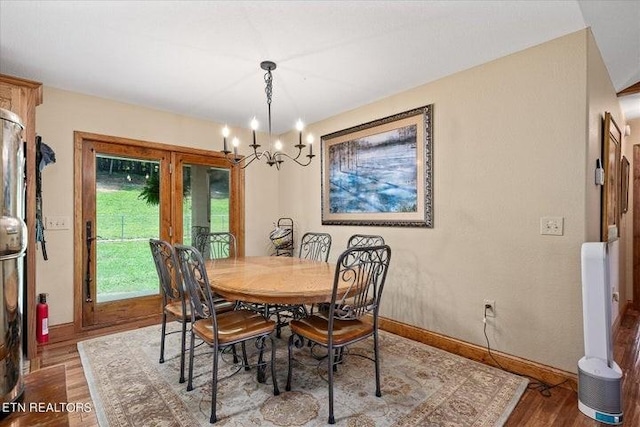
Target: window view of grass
[126,222]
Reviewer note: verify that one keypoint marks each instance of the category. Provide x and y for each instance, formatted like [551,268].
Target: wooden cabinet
[21,97]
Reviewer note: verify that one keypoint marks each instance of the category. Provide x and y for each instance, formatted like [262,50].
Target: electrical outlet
[552,225]
[489,308]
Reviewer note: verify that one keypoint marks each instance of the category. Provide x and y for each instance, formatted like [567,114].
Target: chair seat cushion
[222,305]
[316,328]
[234,326]
[174,309]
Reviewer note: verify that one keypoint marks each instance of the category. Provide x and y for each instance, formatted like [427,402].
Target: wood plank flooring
[42,399]
[560,408]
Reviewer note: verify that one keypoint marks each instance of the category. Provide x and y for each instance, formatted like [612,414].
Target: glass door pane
[127,204]
[206,205]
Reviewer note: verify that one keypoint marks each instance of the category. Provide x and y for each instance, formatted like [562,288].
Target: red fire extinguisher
[42,320]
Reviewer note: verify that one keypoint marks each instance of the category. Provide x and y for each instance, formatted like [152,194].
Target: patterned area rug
[421,386]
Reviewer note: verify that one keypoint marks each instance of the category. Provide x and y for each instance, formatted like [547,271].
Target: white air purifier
[599,377]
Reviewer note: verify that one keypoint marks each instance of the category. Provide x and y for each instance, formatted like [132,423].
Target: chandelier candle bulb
[299,127]
[225,134]
[235,144]
[254,127]
[310,142]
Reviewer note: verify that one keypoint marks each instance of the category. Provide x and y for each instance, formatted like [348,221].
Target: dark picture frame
[380,173]
[611,148]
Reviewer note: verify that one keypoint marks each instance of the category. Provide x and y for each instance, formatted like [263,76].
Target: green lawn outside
[124,226]
[122,215]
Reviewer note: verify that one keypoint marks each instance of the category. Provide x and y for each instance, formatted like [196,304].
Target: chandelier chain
[268,79]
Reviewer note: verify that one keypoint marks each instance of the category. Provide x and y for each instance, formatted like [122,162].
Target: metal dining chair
[356,240]
[175,301]
[221,330]
[315,246]
[173,298]
[197,230]
[363,270]
[363,240]
[216,245]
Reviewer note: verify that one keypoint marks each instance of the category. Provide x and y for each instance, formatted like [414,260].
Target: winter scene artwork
[379,173]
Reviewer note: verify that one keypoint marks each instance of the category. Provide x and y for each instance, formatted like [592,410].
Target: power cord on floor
[543,388]
[484,320]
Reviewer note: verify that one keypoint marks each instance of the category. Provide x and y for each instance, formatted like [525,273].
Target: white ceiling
[201,59]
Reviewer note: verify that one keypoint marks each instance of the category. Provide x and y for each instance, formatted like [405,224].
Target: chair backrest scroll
[363,272]
[315,246]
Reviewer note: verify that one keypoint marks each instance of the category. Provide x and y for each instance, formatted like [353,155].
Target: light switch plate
[57,223]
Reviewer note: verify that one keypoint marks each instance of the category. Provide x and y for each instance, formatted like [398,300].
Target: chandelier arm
[270,158]
[258,154]
[295,159]
[236,160]
[253,157]
[299,147]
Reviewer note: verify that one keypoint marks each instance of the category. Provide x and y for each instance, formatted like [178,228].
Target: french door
[130,191]
[123,205]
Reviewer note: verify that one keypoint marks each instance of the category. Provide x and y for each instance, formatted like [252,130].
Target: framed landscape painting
[380,173]
[611,148]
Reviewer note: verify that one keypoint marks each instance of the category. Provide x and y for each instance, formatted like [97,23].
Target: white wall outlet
[57,223]
[489,308]
[552,225]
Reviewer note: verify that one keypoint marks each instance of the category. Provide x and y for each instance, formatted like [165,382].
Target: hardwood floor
[559,408]
[77,389]
[44,391]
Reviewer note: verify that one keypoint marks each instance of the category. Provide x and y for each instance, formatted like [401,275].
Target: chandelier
[275,155]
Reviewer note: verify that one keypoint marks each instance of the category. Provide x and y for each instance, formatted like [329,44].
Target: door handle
[87,279]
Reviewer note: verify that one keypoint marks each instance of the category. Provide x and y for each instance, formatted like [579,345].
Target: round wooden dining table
[272,279]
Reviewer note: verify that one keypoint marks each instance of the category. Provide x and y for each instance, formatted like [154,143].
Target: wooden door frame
[80,138]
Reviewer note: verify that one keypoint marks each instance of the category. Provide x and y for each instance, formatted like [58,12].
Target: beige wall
[510,147]
[601,97]
[64,112]
[514,140]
